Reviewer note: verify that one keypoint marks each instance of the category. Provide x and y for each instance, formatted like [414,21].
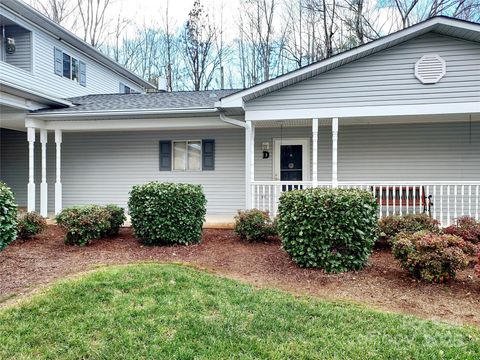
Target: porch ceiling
[369,120]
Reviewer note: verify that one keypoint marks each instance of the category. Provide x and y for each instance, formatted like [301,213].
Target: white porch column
[31,174]
[58,183]
[248,163]
[43,184]
[315,152]
[334,152]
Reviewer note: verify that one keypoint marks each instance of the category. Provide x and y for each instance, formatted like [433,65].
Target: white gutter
[34,93]
[121,112]
[232,121]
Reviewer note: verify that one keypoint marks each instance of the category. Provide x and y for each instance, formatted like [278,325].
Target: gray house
[399,117]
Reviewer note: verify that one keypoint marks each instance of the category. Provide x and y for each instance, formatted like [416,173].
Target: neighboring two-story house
[42,64]
[399,117]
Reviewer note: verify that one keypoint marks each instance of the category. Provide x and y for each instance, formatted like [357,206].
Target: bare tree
[57,10]
[199,36]
[93,20]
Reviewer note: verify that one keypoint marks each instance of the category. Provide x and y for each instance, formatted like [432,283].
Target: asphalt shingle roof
[161,100]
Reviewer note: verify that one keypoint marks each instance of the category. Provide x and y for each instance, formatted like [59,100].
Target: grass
[174,312]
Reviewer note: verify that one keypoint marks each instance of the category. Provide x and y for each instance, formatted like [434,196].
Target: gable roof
[109,104]
[442,25]
[53,28]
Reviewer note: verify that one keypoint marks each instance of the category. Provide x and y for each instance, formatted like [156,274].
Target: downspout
[232,121]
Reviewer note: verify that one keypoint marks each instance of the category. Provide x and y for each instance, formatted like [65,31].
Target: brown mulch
[26,266]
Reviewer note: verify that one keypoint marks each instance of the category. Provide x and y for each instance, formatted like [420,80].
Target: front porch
[412,165]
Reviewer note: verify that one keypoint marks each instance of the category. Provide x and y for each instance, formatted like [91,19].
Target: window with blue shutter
[58,66]
[83,73]
[208,154]
[165,155]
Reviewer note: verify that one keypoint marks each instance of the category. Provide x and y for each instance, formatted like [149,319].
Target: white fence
[443,200]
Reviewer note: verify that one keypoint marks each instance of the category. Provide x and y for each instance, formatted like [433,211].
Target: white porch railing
[443,200]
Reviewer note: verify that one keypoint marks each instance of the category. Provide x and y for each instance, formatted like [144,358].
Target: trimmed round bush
[431,257]
[30,224]
[467,228]
[167,213]
[391,226]
[8,216]
[117,218]
[254,225]
[332,229]
[84,223]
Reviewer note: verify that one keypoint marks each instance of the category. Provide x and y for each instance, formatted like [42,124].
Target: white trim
[232,121]
[334,152]
[365,111]
[31,169]
[37,94]
[210,122]
[314,152]
[305,142]
[58,163]
[248,169]
[236,99]
[43,184]
[120,112]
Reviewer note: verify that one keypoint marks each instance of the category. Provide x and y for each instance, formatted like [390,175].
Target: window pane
[179,151]
[75,69]
[66,65]
[194,155]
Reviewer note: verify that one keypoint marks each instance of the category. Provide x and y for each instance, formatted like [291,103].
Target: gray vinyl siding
[22,57]
[42,78]
[400,152]
[102,167]
[387,78]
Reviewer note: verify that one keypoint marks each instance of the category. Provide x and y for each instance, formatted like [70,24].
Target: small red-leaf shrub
[431,257]
[30,224]
[254,225]
[391,226]
[89,222]
[467,228]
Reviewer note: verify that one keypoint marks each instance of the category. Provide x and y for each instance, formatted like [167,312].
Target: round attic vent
[430,69]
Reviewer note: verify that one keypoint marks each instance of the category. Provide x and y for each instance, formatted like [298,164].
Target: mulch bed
[26,266]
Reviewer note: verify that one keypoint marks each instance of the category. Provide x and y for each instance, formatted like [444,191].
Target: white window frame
[186,155]
[77,80]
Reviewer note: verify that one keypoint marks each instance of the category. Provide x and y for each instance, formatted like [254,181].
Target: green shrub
[333,229]
[84,223]
[117,218]
[8,216]
[167,213]
[431,257]
[391,226]
[467,228]
[30,224]
[254,225]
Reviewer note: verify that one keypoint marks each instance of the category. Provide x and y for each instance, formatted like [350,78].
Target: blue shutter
[121,88]
[165,155]
[208,154]
[58,63]
[83,73]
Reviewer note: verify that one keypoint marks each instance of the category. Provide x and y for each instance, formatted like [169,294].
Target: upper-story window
[15,44]
[70,67]
[124,89]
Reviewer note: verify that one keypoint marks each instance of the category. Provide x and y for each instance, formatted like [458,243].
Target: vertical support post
[43,184]
[248,169]
[31,173]
[252,161]
[58,183]
[314,152]
[334,152]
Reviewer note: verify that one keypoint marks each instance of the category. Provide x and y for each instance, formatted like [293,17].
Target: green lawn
[174,312]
